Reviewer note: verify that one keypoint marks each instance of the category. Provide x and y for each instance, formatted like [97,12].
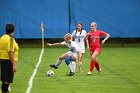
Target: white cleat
[99,71]
[89,73]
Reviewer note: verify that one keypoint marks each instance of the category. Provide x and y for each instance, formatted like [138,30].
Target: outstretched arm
[54,44]
[107,36]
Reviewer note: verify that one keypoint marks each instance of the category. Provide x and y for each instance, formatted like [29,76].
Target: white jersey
[79,39]
[73,48]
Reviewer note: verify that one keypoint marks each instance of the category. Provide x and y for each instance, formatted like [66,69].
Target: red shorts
[96,49]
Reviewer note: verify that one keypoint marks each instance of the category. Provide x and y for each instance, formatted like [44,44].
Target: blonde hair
[93,23]
[68,35]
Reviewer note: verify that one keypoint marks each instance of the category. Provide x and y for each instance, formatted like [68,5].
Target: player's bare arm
[86,41]
[107,36]
[54,44]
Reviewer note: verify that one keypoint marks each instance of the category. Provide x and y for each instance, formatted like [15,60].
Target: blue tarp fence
[120,18]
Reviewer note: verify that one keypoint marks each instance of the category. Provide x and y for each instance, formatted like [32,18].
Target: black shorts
[7,73]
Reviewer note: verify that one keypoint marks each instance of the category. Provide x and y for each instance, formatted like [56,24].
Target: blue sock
[68,60]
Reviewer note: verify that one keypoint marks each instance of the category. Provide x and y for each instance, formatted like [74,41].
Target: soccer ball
[50,73]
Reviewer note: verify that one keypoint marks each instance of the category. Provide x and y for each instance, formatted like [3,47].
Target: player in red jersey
[95,47]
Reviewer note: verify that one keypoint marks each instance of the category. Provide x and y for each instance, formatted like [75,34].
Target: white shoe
[99,71]
[89,73]
[9,89]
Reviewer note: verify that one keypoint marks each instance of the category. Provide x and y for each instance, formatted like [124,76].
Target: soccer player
[72,55]
[95,48]
[8,57]
[79,35]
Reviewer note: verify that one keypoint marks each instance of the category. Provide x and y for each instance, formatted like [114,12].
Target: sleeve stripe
[11,44]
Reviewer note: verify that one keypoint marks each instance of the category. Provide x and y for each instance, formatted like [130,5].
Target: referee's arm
[11,54]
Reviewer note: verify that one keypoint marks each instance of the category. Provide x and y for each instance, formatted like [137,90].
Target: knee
[60,58]
[93,58]
[68,60]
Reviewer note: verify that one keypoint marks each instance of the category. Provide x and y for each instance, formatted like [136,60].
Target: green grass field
[120,72]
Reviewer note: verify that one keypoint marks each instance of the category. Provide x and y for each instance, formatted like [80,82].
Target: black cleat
[53,66]
[70,74]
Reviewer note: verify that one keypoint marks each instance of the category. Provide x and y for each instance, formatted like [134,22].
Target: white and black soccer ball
[50,73]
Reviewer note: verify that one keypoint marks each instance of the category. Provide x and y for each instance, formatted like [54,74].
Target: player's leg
[97,65]
[82,50]
[73,65]
[92,64]
[80,63]
[59,61]
[62,57]
[68,62]
[94,57]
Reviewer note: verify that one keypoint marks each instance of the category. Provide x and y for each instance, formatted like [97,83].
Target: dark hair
[81,25]
[10,28]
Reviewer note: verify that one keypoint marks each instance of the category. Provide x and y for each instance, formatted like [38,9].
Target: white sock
[58,62]
[70,67]
[73,66]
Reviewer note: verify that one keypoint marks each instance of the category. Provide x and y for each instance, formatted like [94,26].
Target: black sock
[4,87]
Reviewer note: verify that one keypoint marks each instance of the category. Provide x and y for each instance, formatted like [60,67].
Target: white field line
[30,83]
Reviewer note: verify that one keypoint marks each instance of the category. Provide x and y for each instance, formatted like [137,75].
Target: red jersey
[94,38]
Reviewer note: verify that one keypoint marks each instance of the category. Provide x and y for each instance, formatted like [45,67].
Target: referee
[8,57]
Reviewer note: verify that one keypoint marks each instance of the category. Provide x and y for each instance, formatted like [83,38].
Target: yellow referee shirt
[16,52]
[8,43]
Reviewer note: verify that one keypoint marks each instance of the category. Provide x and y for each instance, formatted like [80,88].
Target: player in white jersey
[72,55]
[79,35]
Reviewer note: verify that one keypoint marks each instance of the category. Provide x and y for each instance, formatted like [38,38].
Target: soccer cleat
[53,66]
[99,71]
[89,73]
[70,74]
